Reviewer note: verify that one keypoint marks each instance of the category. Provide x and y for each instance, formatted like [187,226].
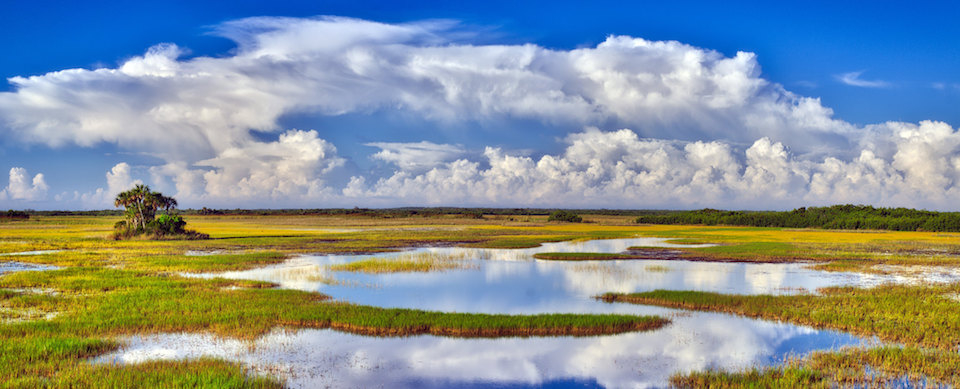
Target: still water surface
[510,281]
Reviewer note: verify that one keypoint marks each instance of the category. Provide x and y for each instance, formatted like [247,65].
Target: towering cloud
[704,128]
[21,187]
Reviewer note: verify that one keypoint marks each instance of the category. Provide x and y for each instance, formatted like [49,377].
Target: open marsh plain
[438,301]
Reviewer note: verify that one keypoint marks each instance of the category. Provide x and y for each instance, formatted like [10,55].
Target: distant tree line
[14,215]
[850,217]
[413,212]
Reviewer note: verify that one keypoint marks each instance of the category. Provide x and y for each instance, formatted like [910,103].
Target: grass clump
[657,269]
[197,373]
[582,256]
[914,315]
[412,262]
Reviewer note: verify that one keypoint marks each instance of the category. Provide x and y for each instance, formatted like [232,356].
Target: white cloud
[21,187]
[621,170]
[118,179]
[853,79]
[292,167]
[195,109]
[415,155]
[707,128]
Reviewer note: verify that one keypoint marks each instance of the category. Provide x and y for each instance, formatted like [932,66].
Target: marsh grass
[110,288]
[657,268]
[877,367]
[913,315]
[205,263]
[413,262]
[582,256]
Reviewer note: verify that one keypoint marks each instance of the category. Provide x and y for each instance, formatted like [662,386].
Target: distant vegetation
[834,217]
[141,207]
[14,215]
[564,216]
[851,217]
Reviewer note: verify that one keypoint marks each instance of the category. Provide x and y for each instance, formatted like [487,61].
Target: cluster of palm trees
[142,205]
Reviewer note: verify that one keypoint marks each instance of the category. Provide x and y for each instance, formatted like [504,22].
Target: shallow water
[11,266]
[326,358]
[37,252]
[510,281]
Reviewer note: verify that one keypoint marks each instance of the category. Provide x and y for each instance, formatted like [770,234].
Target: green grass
[755,251]
[409,262]
[916,315]
[889,367]
[205,263]
[582,256]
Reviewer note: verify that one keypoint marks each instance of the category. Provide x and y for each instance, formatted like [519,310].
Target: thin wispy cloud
[853,79]
[415,155]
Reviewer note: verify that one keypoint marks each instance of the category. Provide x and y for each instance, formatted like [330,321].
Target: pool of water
[36,252]
[326,358]
[12,266]
[511,281]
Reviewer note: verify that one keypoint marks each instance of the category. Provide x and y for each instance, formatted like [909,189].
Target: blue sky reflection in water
[310,358]
[508,281]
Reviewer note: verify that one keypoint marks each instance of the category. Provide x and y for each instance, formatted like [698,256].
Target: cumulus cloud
[621,170]
[707,129]
[415,155]
[118,179]
[853,79]
[292,167]
[203,106]
[21,187]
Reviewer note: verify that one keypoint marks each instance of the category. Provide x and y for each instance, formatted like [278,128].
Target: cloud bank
[620,169]
[682,126]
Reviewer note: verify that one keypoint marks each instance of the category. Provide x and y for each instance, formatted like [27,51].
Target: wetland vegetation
[106,288]
[412,262]
[582,256]
[846,217]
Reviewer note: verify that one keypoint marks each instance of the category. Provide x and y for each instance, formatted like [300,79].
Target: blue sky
[870,65]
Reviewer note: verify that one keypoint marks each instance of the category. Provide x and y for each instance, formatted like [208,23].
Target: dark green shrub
[564,216]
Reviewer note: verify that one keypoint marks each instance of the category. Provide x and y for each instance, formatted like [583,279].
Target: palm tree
[142,204]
